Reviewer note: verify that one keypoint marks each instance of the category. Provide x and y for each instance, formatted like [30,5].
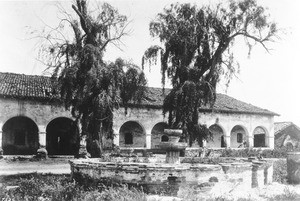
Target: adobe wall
[43,113]
[40,113]
[247,121]
[147,118]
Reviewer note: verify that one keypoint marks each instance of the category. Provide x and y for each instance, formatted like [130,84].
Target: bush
[249,152]
[288,195]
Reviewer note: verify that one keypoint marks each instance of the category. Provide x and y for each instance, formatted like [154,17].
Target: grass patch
[62,187]
[288,195]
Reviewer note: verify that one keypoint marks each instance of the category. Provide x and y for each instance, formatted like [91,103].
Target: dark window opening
[223,143]
[19,137]
[239,138]
[259,140]
[128,138]
[164,138]
[289,146]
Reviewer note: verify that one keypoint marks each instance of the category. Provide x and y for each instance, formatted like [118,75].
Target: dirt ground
[15,165]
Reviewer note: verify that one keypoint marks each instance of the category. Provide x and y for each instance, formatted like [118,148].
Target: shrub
[250,152]
[288,195]
[240,153]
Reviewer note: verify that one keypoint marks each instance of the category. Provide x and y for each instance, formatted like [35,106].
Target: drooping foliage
[197,52]
[90,87]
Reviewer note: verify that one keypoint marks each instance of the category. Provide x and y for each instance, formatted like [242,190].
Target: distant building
[287,134]
[32,116]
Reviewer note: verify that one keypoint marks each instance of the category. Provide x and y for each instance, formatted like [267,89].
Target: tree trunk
[82,152]
[96,147]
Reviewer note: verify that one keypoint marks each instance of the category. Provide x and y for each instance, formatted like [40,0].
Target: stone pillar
[42,153]
[116,138]
[227,140]
[257,175]
[204,142]
[148,140]
[250,141]
[42,136]
[270,137]
[270,141]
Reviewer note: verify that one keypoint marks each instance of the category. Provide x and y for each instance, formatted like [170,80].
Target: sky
[267,80]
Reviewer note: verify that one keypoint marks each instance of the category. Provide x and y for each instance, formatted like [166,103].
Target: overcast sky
[267,80]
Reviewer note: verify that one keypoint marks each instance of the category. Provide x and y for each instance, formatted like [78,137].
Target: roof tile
[40,88]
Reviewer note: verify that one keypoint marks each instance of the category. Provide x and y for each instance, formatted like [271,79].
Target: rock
[11,187]
[42,153]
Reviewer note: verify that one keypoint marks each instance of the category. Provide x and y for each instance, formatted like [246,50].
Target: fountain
[173,146]
[170,176]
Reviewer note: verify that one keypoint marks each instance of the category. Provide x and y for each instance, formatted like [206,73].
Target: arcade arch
[157,134]
[218,137]
[238,136]
[132,134]
[259,137]
[62,137]
[20,136]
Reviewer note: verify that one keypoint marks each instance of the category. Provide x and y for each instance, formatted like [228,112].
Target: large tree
[197,51]
[91,88]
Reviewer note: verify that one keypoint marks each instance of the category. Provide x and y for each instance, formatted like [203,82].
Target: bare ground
[12,166]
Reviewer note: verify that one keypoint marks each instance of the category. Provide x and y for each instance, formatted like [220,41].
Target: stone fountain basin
[157,176]
[127,172]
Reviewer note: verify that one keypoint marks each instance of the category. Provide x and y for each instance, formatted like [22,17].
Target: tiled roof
[25,86]
[280,126]
[40,88]
[225,103]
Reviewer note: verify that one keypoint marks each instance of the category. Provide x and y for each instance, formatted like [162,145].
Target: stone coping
[183,166]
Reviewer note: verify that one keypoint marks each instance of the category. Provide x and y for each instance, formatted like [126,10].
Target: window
[239,138]
[128,138]
[289,146]
[259,140]
[164,138]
